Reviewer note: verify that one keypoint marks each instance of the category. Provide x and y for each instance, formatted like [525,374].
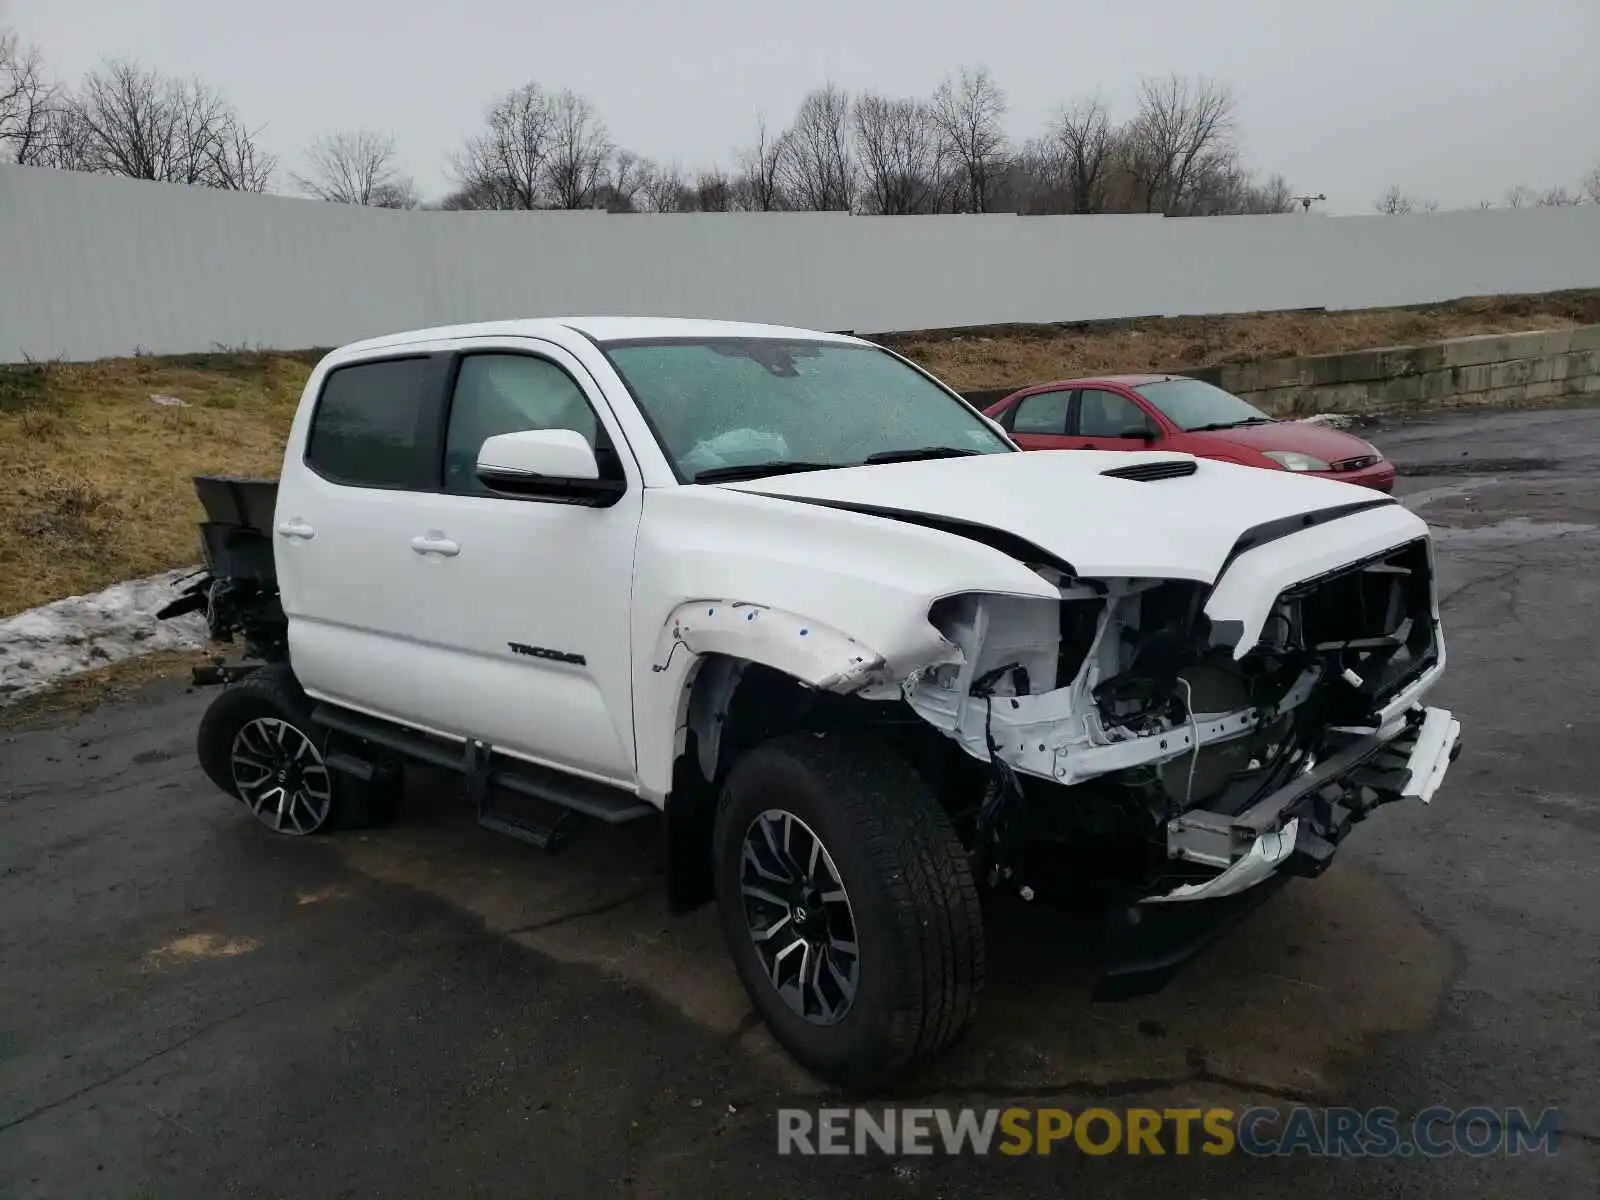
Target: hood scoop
[1149,472]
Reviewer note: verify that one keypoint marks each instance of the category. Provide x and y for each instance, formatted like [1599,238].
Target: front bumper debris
[1293,832]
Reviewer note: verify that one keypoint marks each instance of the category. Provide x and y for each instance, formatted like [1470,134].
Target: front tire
[257,742]
[848,906]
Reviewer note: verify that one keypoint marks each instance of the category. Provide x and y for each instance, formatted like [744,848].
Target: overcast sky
[1451,99]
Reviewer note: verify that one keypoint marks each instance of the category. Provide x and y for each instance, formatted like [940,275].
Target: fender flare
[724,635]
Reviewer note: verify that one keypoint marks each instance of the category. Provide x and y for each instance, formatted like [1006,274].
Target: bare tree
[473,197]
[1077,154]
[1273,196]
[625,181]
[27,101]
[759,182]
[1184,129]
[356,167]
[1519,197]
[505,166]
[580,151]
[242,166]
[1591,186]
[897,142]
[126,120]
[818,169]
[1559,197]
[713,191]
[662,190]
[969,110]
[1395,203]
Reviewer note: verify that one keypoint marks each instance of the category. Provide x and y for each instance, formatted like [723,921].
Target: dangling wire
[1194,734]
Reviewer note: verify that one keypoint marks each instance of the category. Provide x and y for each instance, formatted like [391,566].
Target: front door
[528,600]
[1104,420]
[1039,421]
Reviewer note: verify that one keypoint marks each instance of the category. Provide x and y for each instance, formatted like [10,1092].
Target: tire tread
[923,868]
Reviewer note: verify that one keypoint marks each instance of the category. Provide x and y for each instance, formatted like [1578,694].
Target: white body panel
[1059,500]
[783,570]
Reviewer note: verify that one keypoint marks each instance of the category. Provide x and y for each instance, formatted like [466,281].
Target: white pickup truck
[879,669]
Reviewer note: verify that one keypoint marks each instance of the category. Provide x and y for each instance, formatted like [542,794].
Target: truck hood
[1062,502]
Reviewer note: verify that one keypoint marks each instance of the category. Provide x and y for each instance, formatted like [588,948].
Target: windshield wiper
[920,452]
[757,470]
[1229,424]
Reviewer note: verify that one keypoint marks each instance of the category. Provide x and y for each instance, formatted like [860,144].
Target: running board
[487,773]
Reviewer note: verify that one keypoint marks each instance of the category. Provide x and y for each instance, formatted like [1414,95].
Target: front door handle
[434,543]
[296,529]
[1087,446]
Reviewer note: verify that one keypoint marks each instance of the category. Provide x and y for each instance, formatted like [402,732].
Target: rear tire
[825,841]
[257,742]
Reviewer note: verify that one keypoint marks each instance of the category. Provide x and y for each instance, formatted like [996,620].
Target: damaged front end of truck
[1184,746]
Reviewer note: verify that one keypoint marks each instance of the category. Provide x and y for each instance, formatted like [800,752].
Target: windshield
[1190,404]
[719,405]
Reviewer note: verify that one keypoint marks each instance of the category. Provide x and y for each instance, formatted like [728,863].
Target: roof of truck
[601,329]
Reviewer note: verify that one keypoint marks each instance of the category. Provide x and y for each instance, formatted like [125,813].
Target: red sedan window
[1104,414]
[1043,412]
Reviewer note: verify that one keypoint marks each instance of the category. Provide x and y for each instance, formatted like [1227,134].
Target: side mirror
[1142,433]
[546,464]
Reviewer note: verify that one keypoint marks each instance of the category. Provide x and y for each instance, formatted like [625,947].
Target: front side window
[366,428]
[507,393]
[1104,414]
[731,403]
[1192,405]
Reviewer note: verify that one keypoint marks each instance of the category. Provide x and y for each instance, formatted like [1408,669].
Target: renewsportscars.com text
[1259,1132]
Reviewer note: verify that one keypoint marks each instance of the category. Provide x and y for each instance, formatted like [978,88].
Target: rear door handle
[433,543]
[296,529]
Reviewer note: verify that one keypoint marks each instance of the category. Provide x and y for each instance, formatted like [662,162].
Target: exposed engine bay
[1122,698]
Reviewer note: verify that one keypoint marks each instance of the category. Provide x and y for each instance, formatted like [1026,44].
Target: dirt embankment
[1013,356]
[96,486]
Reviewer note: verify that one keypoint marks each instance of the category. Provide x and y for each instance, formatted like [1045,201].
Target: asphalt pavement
[192,1007]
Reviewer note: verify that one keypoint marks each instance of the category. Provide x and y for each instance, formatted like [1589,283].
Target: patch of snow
[1329,420]
[169,401]
[55,640]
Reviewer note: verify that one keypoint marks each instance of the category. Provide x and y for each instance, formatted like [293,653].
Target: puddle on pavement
[1516,531]
[1300,982]
[1503,511]
[1474,466]
[198,945]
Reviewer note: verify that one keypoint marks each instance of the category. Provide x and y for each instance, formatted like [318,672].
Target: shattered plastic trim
[812,652]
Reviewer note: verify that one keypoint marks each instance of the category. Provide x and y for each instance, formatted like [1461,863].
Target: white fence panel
[93,266]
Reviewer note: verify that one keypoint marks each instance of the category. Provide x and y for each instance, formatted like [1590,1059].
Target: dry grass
[1006,357]
[96,486]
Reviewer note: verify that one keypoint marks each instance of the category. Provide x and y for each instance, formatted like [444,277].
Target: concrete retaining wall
[1500,369]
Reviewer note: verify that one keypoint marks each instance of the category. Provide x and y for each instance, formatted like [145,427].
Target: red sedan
[1173,412]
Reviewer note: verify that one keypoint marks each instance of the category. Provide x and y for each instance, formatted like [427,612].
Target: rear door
[1039,421]
[344,519]
[1102,419]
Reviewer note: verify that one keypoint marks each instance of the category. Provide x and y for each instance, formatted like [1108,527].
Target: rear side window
[367,430]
